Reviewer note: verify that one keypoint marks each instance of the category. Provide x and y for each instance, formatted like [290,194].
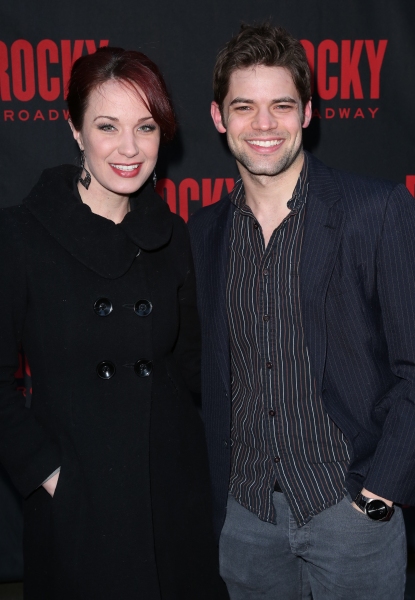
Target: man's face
[263,120]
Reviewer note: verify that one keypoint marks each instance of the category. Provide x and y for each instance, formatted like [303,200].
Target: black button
[106,369]
[266,271]
[143,367]
[256,226]
[265,318]
[102,307]
[269,365]
[277,459]
[272,413]
[143,308]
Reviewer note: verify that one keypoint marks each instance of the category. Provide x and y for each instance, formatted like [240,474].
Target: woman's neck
[110,206]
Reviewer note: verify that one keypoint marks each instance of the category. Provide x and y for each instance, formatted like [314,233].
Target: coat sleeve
[188,346]
[26,450]
[392,472]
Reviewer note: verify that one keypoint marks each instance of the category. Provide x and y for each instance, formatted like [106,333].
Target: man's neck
[267,196]
[270,193]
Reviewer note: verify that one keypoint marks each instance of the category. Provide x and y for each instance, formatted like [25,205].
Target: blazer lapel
[324,223]
[217,251]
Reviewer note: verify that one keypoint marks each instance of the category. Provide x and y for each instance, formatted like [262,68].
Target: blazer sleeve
[392,472]
[26,450]
[188,346]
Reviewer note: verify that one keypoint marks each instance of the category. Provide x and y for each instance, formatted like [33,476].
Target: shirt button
[265,318]
[256,226]
[272,413]
[269,365]
[266,272]
[277,459]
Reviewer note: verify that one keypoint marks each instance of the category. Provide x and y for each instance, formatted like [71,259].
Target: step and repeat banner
[361,55]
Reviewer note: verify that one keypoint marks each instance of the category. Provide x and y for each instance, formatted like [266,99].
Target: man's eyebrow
[239,100]
[287,99]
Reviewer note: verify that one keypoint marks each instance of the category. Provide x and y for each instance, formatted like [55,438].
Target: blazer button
[143,308]
[106,369]
[102,307]
[143,367]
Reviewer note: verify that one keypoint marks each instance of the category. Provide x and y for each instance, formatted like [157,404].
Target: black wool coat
[106,316]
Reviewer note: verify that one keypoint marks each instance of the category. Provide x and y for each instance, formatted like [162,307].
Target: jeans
[340,554]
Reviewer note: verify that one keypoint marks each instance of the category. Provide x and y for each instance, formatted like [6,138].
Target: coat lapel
[324,223]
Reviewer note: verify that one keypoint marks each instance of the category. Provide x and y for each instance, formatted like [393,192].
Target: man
[306,281]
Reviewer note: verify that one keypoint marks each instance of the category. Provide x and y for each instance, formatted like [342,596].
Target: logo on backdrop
[410,184]
[345,72]
[180,197]
[32,73]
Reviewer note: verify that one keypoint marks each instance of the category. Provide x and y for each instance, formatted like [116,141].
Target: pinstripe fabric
[357,291]
[280,430]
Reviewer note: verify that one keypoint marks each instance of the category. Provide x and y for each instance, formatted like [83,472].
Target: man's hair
[264,45]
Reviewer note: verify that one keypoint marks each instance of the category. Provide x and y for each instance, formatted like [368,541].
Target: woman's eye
[147,128]
[106,127]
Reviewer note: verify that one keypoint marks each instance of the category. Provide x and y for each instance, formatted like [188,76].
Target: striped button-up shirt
[281,432]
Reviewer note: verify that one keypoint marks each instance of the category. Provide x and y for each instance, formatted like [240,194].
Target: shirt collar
[297,200]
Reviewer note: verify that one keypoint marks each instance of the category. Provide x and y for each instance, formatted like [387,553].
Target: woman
[98,289]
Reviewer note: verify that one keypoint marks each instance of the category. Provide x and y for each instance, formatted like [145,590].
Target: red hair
[134,69]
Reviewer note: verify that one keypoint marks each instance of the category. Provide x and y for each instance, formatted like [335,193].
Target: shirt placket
[268,294]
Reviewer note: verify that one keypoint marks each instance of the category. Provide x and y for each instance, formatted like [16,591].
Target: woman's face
[120,139]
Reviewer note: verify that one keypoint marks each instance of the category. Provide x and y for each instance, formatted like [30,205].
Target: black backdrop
[362,55]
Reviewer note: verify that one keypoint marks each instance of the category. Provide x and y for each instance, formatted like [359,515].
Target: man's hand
[50,484]
[368,494]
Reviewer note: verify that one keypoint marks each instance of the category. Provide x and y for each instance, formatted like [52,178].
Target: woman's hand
[50,484]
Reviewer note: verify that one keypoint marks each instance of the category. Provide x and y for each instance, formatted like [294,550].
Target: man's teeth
[265,143]
[125,167]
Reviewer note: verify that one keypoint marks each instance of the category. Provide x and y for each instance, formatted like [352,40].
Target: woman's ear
[76,134]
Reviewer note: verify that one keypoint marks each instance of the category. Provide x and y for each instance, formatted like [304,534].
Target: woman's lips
[126,171]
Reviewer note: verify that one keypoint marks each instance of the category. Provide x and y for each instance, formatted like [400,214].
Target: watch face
[376,509]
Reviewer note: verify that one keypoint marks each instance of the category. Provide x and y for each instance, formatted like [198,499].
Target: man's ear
[307,114]
[76,135]
[217,117]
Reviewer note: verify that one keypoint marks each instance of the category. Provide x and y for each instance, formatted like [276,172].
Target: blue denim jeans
[339,555]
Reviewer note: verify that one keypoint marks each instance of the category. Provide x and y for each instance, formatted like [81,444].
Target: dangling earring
[154,179]
[86,181]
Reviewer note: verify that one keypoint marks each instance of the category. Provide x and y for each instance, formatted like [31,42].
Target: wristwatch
[375,509]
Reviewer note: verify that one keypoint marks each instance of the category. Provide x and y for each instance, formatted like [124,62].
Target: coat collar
[98,243]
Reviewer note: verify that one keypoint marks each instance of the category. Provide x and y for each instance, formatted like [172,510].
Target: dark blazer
[357,285]
[130,516]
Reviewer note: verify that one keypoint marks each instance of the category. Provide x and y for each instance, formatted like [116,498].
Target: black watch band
[375,509]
